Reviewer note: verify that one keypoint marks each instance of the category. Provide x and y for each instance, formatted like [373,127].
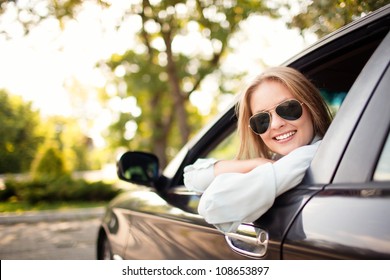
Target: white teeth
[284,136]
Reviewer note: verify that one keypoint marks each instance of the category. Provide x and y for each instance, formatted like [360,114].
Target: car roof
[362,22]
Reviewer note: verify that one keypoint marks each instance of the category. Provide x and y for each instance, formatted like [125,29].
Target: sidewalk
[51,215]
[50,235]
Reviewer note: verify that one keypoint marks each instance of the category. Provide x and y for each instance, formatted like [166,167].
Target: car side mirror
[138,167]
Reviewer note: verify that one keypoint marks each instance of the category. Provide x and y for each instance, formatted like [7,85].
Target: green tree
[66,135]
[325,16]
[167,76]
[29,14]
[19,137]
[162,76]
[160,73]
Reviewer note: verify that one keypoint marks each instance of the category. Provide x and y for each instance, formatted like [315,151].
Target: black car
[340,209]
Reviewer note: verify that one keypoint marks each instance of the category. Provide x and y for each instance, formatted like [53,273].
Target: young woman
[281,119]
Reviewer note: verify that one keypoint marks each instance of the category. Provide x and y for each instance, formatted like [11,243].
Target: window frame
[383,163]
[361,156]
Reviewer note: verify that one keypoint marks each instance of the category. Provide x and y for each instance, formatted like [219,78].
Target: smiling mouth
[285,136]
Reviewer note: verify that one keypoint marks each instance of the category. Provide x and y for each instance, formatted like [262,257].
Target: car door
[172,229]
[164,224]
[348,219]
[353,64]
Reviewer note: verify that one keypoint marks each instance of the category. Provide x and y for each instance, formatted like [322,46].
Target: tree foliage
[19,137]
[181,43]
[25,134]
[70,147]
[49,162]
[29,14]
[325,16]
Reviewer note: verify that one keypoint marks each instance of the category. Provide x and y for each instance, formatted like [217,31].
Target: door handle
[248,241]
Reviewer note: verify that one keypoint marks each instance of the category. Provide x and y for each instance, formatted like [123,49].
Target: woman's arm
[233,198]
[238,166]
[198,176]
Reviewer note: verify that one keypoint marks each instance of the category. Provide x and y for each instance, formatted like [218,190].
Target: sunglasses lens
[259,123]
[290,110]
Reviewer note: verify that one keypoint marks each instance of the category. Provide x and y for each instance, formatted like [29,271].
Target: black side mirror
[138,167]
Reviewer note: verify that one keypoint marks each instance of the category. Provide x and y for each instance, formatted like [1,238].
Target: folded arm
[232,198]
[198,176]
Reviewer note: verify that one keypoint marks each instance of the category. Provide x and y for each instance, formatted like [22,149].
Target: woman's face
[282,136]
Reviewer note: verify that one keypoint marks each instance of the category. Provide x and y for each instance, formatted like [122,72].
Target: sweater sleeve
[233,198]
[198,176]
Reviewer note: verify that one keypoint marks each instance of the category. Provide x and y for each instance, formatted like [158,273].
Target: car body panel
[348,219]
[343,222]
[362,154]
[146,220]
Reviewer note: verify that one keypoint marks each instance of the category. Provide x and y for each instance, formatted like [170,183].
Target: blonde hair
[251,145]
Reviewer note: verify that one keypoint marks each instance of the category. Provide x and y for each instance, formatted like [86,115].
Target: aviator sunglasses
[290,110]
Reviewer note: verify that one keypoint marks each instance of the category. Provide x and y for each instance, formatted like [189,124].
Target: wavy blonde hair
[251,145]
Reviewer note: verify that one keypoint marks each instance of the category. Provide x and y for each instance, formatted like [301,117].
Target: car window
[336,71]
[333,70]
[382,171]
[334,79]
[333,99]
[227,149]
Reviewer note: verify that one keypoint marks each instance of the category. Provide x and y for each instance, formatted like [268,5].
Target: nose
[276,121]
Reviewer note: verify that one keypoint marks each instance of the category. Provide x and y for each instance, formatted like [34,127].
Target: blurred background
[83,81]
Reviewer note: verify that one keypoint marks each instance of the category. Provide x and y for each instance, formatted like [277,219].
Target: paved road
[67,235]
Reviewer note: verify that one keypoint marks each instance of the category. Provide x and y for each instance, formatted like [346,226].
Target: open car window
[228,147]
[333,71]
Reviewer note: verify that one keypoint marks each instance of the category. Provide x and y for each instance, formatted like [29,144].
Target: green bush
[63,188]
[49,162]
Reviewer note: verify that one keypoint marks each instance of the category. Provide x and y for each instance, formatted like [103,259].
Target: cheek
[306,125]
[268,141]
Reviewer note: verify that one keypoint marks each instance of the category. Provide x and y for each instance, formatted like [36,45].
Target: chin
[287,149]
